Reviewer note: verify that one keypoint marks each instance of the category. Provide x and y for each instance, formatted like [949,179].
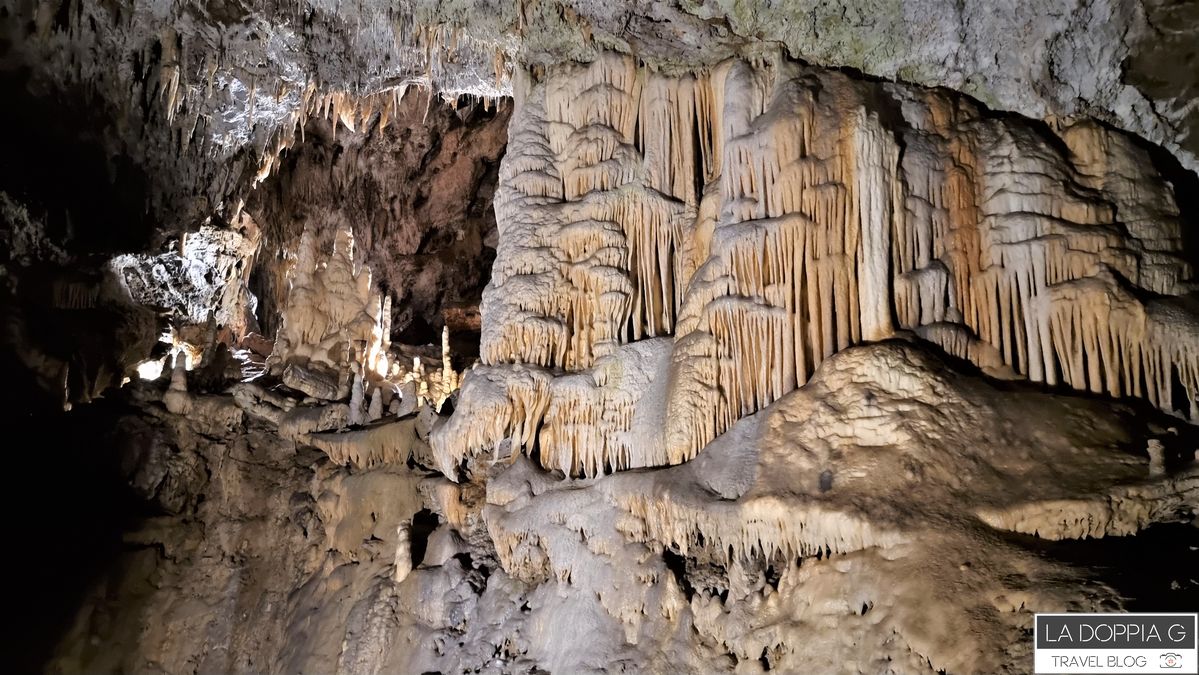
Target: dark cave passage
[73,507]
[1168,555]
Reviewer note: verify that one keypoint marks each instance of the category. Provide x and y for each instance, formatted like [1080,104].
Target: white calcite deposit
[760,217]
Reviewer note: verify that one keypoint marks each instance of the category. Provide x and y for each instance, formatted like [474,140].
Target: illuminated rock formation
[335,341]
[762,217]
[334,317]
[204,278]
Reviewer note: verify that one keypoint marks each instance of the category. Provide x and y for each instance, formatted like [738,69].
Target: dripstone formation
[582,337]
[765,219]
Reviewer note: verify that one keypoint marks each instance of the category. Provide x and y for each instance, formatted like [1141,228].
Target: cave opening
[416,195]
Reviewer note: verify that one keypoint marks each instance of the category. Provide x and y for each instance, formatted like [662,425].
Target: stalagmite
[331,319]
[375,411]
[357,405]
[403,555]
[1157,457]
[176,398]
[408,398]
[334,339]
[448,376]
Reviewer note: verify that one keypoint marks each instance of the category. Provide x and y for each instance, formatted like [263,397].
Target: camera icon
[1171,660]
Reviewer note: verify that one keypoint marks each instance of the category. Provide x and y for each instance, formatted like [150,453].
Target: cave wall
[713,250]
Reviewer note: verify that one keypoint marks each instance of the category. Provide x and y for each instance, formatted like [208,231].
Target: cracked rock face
[525,337]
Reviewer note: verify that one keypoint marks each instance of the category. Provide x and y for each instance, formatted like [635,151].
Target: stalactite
[875,162]
[389,443]
[584,424]
[765,217]
[763,528]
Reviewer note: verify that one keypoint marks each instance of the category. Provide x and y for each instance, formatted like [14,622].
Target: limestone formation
[205,277]
[333,319]
[763,217]
[897,562]
[335,336]
[746,348]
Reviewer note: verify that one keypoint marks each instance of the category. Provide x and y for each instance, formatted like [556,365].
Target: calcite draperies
[765,216]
